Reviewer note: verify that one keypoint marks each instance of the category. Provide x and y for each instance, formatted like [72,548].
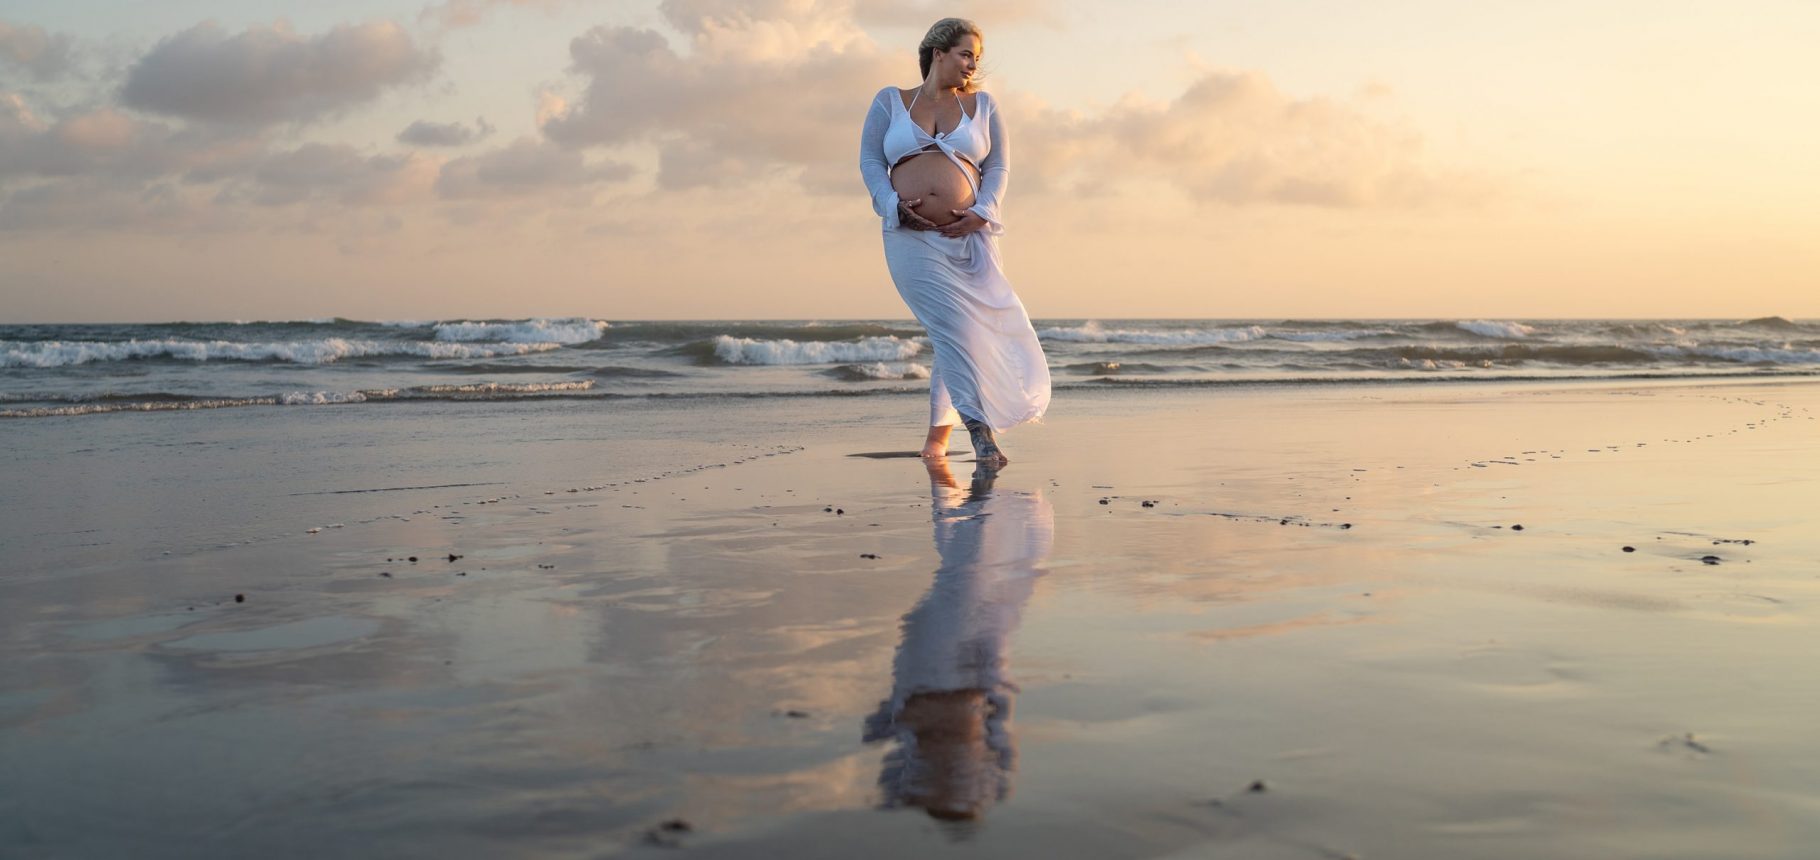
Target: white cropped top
[978,141]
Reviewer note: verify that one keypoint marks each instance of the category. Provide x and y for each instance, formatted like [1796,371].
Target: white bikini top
[968,139]
[977,142]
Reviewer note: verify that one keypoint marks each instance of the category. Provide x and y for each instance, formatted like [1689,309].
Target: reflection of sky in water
[951,701]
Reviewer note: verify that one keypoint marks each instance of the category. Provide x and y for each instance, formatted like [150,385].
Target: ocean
[90,369]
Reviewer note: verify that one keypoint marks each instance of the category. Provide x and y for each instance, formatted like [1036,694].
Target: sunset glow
[697,158]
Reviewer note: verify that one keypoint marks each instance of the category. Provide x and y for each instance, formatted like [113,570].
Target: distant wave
[1333,335]
[566,331]
[1103,368]
[168,402]
[57,353]
[1740,354]
[878,370]
[688,332]
[1773,323]
[1093,332]
[745,350]
[1494,328]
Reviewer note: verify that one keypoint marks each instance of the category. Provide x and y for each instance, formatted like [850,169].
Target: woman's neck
[932,89]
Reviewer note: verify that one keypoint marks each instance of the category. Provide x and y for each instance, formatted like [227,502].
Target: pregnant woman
[935,159]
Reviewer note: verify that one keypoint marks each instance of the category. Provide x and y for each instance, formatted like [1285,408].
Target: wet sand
[1264,623]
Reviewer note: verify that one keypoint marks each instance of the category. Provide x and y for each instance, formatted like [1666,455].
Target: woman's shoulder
[899,93]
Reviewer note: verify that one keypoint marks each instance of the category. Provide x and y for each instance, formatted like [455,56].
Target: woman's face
[957,65]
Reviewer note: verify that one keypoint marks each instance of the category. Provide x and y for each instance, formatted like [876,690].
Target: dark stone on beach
[239,598]
[1105,501]
[386,573]
[1345,525]
[1517,528]
[412,559]
[453,557]
[828,510]
[840,511]
[796,714]
[1148,504]
[1257,787]
[1710,559]
[868,555]
[665,834]
[1630,549]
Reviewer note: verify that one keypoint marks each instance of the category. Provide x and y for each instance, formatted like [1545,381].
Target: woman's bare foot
[985,447]
[935,446]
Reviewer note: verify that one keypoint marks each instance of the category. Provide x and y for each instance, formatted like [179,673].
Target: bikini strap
[913,98]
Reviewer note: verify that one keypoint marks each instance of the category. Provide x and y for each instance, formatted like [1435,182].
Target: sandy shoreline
[1326,595]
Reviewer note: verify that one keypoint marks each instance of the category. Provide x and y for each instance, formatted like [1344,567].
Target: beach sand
[1260,623]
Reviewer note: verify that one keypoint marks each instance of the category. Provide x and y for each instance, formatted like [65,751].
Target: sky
[698,159]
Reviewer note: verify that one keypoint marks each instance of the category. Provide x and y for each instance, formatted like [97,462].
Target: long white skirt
[988,363]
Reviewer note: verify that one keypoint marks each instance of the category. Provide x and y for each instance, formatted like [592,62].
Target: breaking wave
[745,350]
[878,370]
[565,331]
[58,353]
[1093,332]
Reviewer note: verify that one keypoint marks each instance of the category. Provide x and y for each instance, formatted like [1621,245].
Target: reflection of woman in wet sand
[936,162]
[951,698]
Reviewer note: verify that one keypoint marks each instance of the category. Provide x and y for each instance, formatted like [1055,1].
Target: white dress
[988,364]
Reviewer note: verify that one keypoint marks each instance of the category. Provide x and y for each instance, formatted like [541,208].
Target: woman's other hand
[906,215]
[968,223]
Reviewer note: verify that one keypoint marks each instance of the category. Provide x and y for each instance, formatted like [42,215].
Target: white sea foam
[1093,332]
[63,353]
[745,350]
[571,330]
[321,398]
[150,406]
[503,388]
[1496,328]
[894,370]
[1323,336]
[1785,354]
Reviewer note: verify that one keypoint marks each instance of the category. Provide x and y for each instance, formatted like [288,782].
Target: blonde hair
[943,36]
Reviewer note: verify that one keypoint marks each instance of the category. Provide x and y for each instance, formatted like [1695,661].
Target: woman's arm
[872,166]
[995,169]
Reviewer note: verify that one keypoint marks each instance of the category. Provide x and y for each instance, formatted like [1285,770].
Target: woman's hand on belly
[906,215]
[965,221]
[933,187]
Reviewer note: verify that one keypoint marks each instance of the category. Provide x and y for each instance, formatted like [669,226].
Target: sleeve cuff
[993,225]
[888,210]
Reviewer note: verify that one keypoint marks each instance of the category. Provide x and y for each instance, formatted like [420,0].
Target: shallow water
[1326,596]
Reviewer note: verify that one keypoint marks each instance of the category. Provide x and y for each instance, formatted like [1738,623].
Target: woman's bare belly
[938,181]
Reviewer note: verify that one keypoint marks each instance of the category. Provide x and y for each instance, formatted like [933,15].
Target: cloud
[1234,137]
[272,74]
[105,142]
[455,14]
[919,14]
[42,55]
[769,88]
[320,170]
[524,167]
[426,133]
